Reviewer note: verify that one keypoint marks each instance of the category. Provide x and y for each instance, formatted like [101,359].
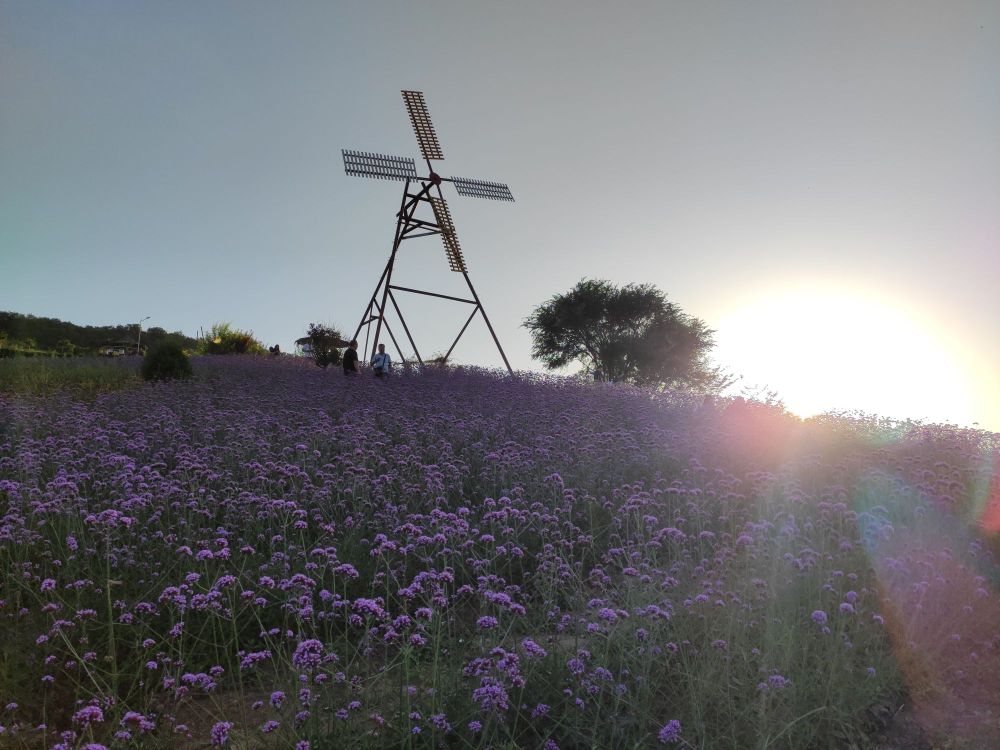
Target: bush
[166,361]
[323,344]
[224,339]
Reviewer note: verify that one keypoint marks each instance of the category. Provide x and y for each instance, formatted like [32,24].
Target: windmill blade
[494,191]
[452,248]
[422,126]
[379,166]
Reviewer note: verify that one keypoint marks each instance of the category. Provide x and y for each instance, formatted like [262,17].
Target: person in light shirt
[381,363]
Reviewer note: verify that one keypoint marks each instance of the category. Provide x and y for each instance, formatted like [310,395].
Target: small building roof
[339,343]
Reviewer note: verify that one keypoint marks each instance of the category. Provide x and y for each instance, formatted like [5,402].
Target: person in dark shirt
[351,359]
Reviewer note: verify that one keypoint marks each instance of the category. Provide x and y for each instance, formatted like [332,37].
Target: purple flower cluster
[670,733]
[361,558]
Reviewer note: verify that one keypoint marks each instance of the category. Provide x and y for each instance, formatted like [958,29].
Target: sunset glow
[823,350]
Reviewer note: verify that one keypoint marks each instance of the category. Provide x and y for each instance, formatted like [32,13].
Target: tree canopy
[51,334]
[324,344]
[625,334]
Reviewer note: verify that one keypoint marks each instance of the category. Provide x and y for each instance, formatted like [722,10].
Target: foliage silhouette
[625,334]
[166,361]
[29,332]
[323,344]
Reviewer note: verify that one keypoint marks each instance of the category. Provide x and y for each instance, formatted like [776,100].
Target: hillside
[274,555]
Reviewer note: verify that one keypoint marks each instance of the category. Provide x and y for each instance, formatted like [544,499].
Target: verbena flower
[670,733]
[308,654]
[220,732]
[88,715]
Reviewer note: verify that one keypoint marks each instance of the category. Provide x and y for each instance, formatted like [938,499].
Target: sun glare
[824,350]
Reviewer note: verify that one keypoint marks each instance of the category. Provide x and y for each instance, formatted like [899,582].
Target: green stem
[111,622]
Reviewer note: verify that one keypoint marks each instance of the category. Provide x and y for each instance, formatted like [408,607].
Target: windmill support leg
[496,341]
[368,330]
[395,343]
[381,309]
[488,324]
[386,277]
[367,317]
[448,353]
[475,297]
[392,298]
[402,221]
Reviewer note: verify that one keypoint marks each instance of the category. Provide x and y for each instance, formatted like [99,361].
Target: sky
[819,182]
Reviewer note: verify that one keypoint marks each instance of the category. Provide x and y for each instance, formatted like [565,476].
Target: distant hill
[29,333]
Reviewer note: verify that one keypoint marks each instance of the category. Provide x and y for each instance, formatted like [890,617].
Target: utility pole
[139,338]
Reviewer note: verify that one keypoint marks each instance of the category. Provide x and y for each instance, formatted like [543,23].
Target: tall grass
[39,376]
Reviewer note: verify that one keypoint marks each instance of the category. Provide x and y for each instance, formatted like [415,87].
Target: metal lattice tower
[419,194]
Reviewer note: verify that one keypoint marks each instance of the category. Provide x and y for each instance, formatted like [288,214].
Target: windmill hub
[418,199]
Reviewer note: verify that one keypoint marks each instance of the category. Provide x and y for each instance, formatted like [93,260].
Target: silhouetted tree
[628,334]
[324,344]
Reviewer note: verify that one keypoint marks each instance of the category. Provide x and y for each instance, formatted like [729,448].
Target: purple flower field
[271,555]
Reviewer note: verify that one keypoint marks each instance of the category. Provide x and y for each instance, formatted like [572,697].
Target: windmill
[421,194]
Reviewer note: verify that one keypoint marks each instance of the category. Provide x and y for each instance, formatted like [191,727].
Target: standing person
[381,362]
[351,358]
